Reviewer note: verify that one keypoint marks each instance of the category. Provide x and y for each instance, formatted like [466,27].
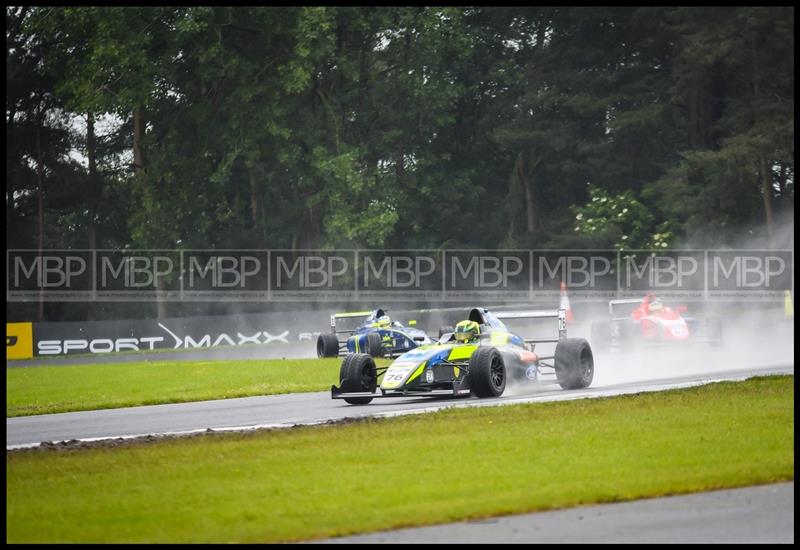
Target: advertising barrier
[26,340]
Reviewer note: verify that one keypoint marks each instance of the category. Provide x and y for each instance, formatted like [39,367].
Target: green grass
[51,389]
[314,482]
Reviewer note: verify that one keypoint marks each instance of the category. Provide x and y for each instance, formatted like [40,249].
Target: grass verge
[313,482]
[52,389]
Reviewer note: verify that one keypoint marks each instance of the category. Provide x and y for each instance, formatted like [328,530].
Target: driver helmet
[655,305]
[383,321]
[467,331]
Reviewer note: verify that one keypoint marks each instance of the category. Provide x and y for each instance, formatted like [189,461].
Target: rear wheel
[487,373]
[327,345]
[445,329]
[375,344]
[574,363]
[358,374]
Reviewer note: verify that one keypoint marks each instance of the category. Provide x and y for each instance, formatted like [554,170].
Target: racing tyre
[358,374]
[327,345]
[445,329]
[574,363]
[601,335]
[374,344]
[487,373]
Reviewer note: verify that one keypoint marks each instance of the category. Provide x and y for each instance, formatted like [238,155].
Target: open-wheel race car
[479,357]
[370,332]
[641,322]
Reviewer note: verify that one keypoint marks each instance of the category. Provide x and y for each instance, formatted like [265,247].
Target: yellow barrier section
[19,340]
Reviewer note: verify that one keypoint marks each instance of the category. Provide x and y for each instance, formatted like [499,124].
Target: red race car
[634,323]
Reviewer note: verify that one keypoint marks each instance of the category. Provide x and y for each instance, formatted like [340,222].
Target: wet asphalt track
[308,408]
[761,514]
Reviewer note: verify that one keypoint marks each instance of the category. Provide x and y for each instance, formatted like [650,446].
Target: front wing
[460,388]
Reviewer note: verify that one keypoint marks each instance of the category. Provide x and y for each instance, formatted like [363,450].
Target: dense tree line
[402,127]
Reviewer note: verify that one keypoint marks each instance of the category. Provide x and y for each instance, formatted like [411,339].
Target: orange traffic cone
[565,303]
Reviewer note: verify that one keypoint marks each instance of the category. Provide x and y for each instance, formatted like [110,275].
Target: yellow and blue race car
[479,357]
[374,333]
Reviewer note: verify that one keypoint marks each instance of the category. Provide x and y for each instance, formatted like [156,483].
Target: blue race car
[481,357]
[377,335]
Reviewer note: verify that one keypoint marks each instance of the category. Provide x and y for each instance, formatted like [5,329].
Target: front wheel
[358,373]
[445,329]
[487,373]
[574,363]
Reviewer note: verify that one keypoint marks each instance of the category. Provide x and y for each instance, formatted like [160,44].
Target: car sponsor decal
[461,352]
[395,375]
[499,338]
[421,353]
[417,372]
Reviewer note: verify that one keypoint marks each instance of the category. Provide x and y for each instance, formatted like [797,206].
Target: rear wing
[560,314]
[347,315]
[613,303]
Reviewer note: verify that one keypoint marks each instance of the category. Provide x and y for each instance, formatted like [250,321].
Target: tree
[741,128]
